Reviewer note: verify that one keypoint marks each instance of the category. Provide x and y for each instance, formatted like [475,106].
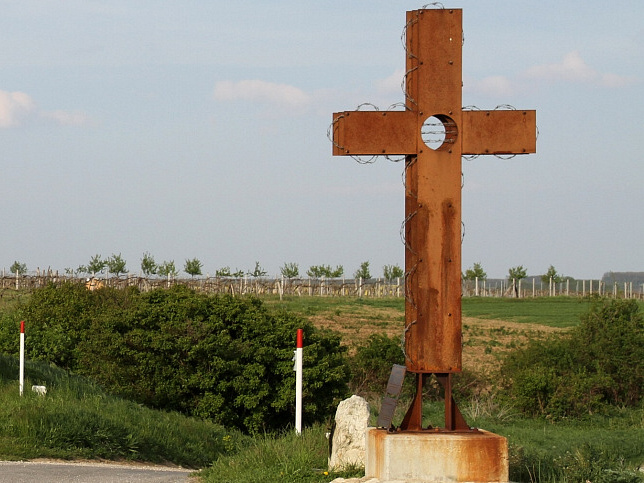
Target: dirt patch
[485,341]
[356,327]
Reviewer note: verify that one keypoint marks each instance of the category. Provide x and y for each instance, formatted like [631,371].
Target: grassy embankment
[77,420]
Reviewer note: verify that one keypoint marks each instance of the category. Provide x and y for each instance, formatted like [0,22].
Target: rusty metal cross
[433,132]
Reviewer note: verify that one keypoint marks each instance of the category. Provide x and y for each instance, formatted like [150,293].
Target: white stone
[348,443]
[42,390]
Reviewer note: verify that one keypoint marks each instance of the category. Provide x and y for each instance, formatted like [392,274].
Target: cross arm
[499,132]
[374,133]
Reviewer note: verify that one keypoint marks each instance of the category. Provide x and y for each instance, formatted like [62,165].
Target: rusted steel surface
[374,132]
[499,132]
[433,86]
[433,195]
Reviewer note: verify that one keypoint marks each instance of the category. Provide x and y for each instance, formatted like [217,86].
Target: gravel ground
[45,471]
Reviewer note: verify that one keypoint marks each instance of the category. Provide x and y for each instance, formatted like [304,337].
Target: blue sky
[198,129]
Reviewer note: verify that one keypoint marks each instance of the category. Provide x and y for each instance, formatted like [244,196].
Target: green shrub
[599,363]
[372,362]
[223,358]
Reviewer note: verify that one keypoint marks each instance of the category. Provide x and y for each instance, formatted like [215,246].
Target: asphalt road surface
[89,472]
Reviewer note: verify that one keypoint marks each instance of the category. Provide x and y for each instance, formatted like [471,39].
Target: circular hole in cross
[437,131]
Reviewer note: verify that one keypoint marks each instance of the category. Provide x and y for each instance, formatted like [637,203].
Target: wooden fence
[372,288]
[536,288]
[235,286]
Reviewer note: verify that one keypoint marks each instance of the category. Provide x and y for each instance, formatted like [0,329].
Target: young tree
[258,271]
[319,271]
[392,272]
[363,271]
[515,274]
[290,270]
[116,265]
[19,268]
[96,265]
[551,274]
[193,267]
[148,265]
[223,272]
[167,269]
[337,272]
[475,272]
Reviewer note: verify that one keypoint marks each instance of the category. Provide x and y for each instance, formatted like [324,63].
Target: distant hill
[624,277]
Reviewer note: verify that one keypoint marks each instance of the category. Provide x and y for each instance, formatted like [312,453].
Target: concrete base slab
[436,456]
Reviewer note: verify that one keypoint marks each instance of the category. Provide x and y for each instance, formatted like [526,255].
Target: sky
[198,129]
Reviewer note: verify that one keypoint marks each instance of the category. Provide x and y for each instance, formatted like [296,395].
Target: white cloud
[67,118]
[573,68]
[260,91]
[14,107]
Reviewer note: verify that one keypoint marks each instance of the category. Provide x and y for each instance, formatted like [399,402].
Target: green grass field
[550,311]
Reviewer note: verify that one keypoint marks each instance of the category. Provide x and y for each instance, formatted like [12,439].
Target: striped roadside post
[22,355]
[298,382]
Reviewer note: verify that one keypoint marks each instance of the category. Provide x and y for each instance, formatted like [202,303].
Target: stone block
[428,456]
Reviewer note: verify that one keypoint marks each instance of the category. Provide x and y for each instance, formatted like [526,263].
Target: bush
[222,358]
[372,362]
[600,363]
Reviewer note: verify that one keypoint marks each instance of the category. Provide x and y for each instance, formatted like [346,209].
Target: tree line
[117,265]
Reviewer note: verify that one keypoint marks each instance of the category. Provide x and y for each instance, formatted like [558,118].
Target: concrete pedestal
[436,457]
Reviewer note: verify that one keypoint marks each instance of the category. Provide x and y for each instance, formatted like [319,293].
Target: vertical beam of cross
[433,194]
[433,133]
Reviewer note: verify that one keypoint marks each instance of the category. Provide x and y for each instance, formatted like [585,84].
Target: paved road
[88,472]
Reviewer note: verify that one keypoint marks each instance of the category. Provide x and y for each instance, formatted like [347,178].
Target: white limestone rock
[348,439]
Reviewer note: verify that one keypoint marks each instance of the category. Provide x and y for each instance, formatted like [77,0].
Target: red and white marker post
[22,355]
[298,382]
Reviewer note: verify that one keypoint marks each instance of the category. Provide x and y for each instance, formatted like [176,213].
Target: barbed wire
[331,131]
[435,134]
[404,84]
[409,162]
